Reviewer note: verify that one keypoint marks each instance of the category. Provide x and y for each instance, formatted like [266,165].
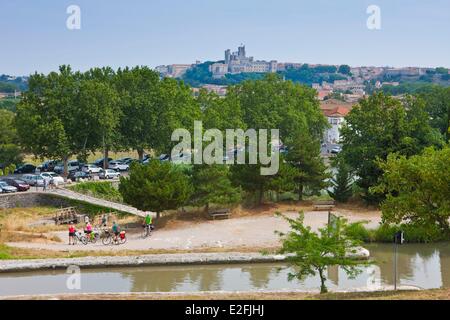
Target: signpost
[398,239]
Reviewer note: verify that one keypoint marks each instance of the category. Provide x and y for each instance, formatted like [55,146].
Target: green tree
[155,187]
[138,89]
[100,115]
[48,121]
[272,103]
[381,125]
[8,132]
[437,104]
[212,185]
[417,188]
[304,155]
[312,253]
[342,183]
[344,69]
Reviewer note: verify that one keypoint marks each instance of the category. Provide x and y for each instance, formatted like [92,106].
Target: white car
[109,174]
[6,188]
[51,176]
[91,168]
[119,166]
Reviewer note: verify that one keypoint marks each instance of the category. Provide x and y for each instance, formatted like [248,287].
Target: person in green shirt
[148,222]
[115,230]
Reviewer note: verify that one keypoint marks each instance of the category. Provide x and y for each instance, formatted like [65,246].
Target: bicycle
[110,238]
[147,230]
[80,237]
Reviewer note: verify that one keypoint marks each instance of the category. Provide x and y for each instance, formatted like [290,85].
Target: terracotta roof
[339,111]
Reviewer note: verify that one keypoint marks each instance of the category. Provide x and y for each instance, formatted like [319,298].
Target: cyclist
[88,230]
[148,222]
[115,230]
[71,234]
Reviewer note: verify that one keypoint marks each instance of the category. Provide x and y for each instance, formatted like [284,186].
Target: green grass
[102,190]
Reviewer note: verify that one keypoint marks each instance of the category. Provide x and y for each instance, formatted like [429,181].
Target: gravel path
[254,231]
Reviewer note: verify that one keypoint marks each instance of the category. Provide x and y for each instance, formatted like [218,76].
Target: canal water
[423,266]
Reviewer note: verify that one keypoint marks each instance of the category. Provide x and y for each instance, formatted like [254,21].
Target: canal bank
[151,260]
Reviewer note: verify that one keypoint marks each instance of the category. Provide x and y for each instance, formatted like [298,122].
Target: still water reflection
[425,266]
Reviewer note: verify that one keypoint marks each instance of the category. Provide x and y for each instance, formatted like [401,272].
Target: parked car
[164,157]
[48,166]
[91,168]
[51,176]
[26,168]
[19,184]
[99,162]
[6,188]
[79,175]
[109,174]
[336,150]
[119,166]
[33,180]
[125,160]
[72,165]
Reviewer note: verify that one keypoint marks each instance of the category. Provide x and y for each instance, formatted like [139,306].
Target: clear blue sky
[34,36]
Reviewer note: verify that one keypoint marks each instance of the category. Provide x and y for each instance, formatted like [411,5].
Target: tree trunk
[140,154]
[300,192]
[158,215]
[105,158]
[66,168]
[323,288]
[261,194]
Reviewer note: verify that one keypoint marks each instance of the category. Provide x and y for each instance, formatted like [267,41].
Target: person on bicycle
[71,234]
[88,230]
[148,221]
[115,230]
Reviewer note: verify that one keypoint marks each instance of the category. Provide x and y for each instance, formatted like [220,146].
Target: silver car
[33,180]
[6,188]
[109,174]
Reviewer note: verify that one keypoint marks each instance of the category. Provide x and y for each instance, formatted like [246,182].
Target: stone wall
[32,199]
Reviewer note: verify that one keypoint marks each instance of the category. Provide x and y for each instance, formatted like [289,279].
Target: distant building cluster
[238,62]
[173,70]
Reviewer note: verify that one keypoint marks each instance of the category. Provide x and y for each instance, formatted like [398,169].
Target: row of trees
[66,114]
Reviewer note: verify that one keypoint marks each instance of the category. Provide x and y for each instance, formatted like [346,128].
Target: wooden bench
[221,213]
[67,215]
[323,205]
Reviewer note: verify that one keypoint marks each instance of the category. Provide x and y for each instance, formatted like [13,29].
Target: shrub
[413,233]
[358,231]
[103,190]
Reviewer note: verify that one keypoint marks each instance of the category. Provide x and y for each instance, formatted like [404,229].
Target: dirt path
[250,231]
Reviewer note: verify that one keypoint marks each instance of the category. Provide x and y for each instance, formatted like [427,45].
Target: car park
[118,166]
[26,168]
[91,168]
[33,180]
[52,176]
[6,188]
[109,174]
[76,176]
[19,184]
